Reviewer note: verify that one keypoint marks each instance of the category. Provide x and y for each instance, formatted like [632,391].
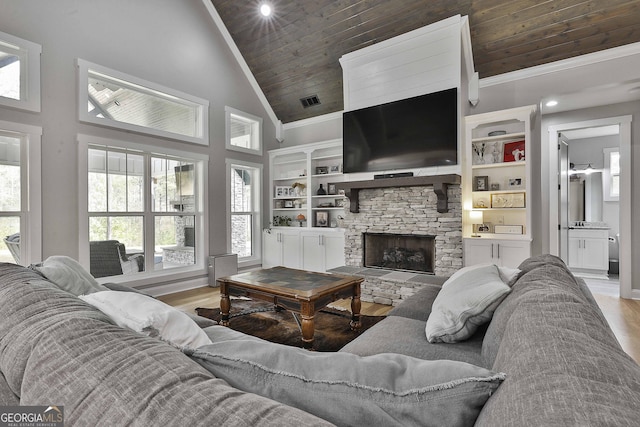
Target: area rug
[332,331]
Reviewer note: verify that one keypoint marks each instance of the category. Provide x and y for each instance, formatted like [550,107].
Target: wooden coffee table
[298,291]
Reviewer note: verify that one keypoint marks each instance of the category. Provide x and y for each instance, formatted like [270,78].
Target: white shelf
[289,162]
[304,177]
[328,157]
[499,165]
[518,135]
[328,196]
[322,175]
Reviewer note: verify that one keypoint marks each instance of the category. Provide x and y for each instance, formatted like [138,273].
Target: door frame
[626,290]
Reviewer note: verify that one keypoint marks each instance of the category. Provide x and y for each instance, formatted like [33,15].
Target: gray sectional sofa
[562,362]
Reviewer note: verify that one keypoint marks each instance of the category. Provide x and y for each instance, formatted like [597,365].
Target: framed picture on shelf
[495,186]
[508,200]
[334,169]
[320,218]
[514,151]
[331,189]
[480,204]
[515,182]
[480,183]
[322,170]
[288,203]
[282,191]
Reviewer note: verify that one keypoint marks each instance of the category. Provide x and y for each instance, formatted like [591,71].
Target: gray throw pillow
[68,275]
[347,389]
[466,301]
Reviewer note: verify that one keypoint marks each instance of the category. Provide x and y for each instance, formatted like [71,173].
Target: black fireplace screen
[407,252]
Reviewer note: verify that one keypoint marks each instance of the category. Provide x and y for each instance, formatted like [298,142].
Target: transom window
[19,73]
[144,210]
[111,98]
[243,131]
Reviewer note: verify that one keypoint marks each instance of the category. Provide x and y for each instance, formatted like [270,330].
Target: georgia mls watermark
[31,416]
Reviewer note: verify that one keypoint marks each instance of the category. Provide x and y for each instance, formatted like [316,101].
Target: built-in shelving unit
[304,231]
[496,186]
[297,173]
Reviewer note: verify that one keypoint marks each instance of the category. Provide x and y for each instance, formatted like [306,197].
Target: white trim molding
[562,65]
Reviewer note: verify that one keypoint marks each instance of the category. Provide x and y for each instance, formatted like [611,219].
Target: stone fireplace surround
[403,210]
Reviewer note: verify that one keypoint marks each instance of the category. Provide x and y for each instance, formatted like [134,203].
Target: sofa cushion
[68,275]
[202,322]
[417,306]
[564,367]
[7,396]
[466,301]
[543,277]
[149,316]
[56,348]
[346,389]
[397,334]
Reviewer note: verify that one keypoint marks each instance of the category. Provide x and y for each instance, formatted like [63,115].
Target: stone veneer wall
[407,210]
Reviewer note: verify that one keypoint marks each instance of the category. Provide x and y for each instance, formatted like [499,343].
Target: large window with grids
[20,192]
[145,209]
[244,200]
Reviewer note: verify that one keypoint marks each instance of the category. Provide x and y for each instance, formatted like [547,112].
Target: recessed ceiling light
[265,9]
[551,103]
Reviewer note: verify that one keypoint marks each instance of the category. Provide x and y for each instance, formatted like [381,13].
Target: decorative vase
[321,191]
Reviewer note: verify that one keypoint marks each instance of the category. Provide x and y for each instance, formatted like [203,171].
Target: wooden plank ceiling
[294,53]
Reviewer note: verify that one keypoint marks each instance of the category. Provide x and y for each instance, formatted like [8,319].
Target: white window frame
[149,277]
[256,131]
[256,230]
[31,190]
[29,54]
[607,175]
[202,105]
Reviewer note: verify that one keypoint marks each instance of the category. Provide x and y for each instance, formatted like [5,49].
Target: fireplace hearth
[405,252]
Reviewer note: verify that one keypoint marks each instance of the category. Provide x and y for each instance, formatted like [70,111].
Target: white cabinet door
[281,247]
[313,252]
[575,252]
[595,254]
[477,251]
[334,250]
[290,242]
[322,251]
[505,253]
[271,249]
[511,253]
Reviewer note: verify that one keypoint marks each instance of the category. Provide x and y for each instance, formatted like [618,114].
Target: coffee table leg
[355,308]
[225,304]
[308,325]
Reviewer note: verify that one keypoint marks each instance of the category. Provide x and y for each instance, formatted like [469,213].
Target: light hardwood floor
[623,315]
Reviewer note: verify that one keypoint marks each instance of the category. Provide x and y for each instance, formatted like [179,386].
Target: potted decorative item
[299,188]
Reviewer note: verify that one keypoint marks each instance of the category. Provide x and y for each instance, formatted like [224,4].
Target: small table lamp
[476,219]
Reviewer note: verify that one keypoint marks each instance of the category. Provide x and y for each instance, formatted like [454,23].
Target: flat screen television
[411,133]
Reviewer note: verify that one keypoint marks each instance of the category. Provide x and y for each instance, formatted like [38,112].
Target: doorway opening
[590,209]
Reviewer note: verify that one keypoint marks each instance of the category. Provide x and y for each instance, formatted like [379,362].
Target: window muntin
[243,131]
[244,200]
[119,183]
[115,99]
[19,73]
[611,174]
